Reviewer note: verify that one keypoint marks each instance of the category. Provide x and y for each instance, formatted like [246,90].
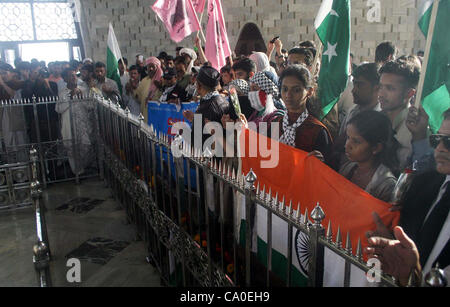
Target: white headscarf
[192,54]
[262,62]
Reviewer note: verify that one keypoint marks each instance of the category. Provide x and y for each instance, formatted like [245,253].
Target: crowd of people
[372,135]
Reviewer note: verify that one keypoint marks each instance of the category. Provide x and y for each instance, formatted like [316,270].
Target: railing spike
[269,198]
[305,217]
[348,244]
[329,236]
[339,238]
[359,250]
[220,168]
[233,177]
[275,203]
[263,193]
[283,205]
[291,210]
[257,189]
[299,213]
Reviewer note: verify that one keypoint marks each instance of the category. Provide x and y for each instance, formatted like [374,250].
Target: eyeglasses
[436,139]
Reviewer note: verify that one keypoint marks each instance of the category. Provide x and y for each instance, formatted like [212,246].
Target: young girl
[371,149]
[300,127]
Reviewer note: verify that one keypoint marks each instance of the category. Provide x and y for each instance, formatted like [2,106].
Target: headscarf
[262,62]
[268,82]
[156,77]
[241,86]
[192,54]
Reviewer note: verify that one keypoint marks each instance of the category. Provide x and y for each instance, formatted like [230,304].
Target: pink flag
[199,5]
[178,16]
[217,47]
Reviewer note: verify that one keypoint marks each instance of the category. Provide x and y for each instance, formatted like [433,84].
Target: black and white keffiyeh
[265,84]
[289,131]
[241,86]
[210,95]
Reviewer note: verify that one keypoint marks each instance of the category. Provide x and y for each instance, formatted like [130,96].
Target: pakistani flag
[333,28]
[112,58]
[435,96]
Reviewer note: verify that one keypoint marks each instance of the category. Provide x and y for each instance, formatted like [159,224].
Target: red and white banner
[178,16]
[217,47]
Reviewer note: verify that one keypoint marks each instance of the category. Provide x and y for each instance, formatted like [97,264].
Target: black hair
[100,65]
[24,66]
[302,73]
[133,67]
[66,71]
[306,52]
[179,48]
[88,67]
[74,64]
[169,58]
[384,51]
[405,67]
[246,65]
[124,60]
[34,65]
[181,60]
[376,128]
[368,71]
[226,68]
[310,45]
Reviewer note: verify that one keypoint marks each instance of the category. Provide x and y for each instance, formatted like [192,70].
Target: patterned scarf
[265,84]
[210,95]
[289,132]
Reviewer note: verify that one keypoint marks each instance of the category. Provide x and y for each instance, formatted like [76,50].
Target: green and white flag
[112,58]
[333,28]
[435,95]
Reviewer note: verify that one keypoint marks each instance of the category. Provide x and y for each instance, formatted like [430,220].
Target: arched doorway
[250,40]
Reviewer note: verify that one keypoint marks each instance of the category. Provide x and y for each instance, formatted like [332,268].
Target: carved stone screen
[36,20]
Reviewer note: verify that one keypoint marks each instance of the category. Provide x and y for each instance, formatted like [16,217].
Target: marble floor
[83,222]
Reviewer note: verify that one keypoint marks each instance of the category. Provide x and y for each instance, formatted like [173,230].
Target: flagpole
[201,28]
[427,53]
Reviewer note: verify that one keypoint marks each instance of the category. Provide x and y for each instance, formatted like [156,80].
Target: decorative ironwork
[16,22]
[30,20]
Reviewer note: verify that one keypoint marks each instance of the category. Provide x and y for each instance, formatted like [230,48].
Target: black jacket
[416,203]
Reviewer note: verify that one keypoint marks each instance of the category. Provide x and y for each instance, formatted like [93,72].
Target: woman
[371,149]
[262,62]
[300,127]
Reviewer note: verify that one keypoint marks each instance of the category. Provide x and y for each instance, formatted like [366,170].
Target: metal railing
[172,202]
[41,250]
[52,126]
[197,214]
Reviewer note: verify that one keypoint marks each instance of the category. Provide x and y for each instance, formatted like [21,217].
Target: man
[244,69]
[173,92]
[183,75]
[140,63]
[170,62]
[212,105]
[366,81]
[129,93]
[54,68]
[301,56]
[109,87]
[398,82]
[149,87]
[384,53]
[425,209]
[123,71]
[79,116]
